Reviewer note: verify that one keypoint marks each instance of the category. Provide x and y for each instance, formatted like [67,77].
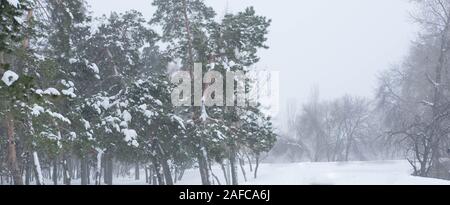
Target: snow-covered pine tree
[63,63]
[230,45]
[100,91]
[185,25]
[26,100]
[235,42]
[122,46]
[13,85]
[257,133]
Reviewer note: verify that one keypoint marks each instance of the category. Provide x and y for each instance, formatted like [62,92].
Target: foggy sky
[338,46]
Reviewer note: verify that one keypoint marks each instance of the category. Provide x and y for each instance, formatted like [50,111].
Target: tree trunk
[158,172]
[108,169]
[256,166]
[181,174]
[242,164]
[84,172]
[28,169]
[175,175]
[66,174]
[249,163]
[38,170]
[146,174]
[347,149]
[12,153]
[26,40]
[167,173]
[189,36]
[154,176]
[437,98]
[136,171]
[212,173]
[225,173]
[55,171]
[98,172]
[88,173]
[203,168]
[234,176]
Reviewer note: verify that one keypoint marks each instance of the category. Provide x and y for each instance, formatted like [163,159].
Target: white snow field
[350,173]
[339,173]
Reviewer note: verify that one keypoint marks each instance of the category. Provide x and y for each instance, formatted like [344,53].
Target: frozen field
[351,173]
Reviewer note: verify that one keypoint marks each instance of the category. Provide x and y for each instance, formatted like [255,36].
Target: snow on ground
[350,173]
[353,173]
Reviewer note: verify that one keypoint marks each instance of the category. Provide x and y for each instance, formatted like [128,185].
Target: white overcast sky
[338,46]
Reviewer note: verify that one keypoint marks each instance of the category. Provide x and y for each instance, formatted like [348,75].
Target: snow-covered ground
[351,173]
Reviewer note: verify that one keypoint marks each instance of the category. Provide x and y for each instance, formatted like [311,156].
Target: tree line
[87,99]
[407,118]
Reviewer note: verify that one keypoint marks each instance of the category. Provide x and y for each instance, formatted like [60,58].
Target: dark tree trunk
[181,174]
[55,171]
[175,175]
[84,172]
[225,174]
[146,174]
[88,173]
[158,172]
[28,169]
[347,149]
[108,169]
[214,176]
[167,173]
[437,98]
[203,167]
[256,166]
[154,177]
[36,176]
[12,152]
[136,171]
[66,172]
[249,163]
[234,176]
[242,164]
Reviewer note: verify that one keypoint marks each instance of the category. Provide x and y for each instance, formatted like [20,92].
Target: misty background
[337,47]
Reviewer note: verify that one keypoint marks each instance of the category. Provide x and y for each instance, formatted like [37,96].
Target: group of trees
[86,98]
[345,129]
[415,95]
[408,118]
